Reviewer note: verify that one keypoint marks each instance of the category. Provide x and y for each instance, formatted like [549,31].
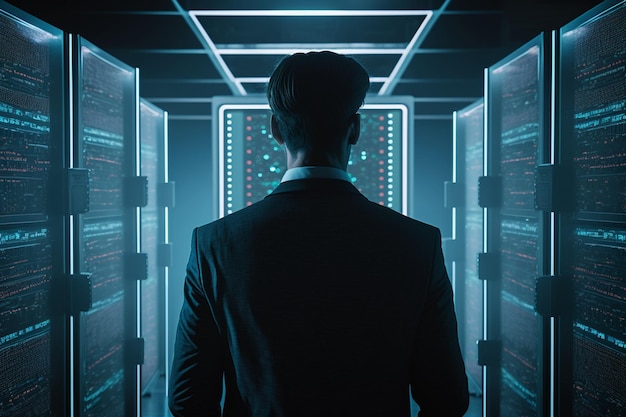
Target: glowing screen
[593,65]
[103,121]
[516,90]
[103,365]
[25,274]
[594,132]
[519,249]
[518,102]
[31,54]
[252,164]
[25,118]
[596,258]
[106,147]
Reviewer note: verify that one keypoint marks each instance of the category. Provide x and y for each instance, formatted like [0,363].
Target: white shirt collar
[301,173]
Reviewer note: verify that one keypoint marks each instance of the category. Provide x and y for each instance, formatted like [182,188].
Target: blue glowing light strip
[486,139]
[309,47]
[70,318]
[455,116]
[405,161]
[316,13]
[166,226]
[263,80]
[138,331]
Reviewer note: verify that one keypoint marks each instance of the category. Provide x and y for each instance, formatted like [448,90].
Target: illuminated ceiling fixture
[347,48]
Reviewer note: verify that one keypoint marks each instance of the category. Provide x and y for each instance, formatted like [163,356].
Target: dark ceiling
[190,51]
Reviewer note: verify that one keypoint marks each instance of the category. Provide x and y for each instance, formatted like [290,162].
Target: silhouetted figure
[316,301]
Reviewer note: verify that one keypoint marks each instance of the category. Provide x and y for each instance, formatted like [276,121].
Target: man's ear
[355,129]
[275,132]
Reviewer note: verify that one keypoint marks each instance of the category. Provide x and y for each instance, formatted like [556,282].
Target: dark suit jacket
[317,302]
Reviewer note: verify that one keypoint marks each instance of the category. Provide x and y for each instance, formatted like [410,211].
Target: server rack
[154,241]
[588,182]
[107,351]
[461,251]
[34,330]
[516,349]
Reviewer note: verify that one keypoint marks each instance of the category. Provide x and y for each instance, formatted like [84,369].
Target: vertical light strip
[167,240]
[166,167]
[220,159]
[454,156]
[485,160]
[137,161]
[553,121]
[552,342]
[454,149]
[138,235]
[137,173]
[70,129]
[405,159]
[553,88]
[454,173]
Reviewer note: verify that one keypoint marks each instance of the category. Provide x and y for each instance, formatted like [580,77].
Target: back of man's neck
[307,160]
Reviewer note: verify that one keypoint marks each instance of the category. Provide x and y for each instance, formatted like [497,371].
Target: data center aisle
[154,404]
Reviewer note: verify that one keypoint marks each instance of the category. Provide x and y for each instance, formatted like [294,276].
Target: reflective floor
[153,401]
[154,404]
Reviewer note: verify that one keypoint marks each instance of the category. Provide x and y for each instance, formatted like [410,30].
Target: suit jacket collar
[315,185]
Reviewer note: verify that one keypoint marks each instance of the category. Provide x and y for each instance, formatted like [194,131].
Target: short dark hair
[313,96]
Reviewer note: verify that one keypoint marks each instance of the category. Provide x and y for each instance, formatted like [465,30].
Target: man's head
[314,98]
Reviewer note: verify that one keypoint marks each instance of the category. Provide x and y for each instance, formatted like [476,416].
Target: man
[316,301]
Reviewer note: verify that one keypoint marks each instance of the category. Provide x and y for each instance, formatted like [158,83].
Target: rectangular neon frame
[404,108]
